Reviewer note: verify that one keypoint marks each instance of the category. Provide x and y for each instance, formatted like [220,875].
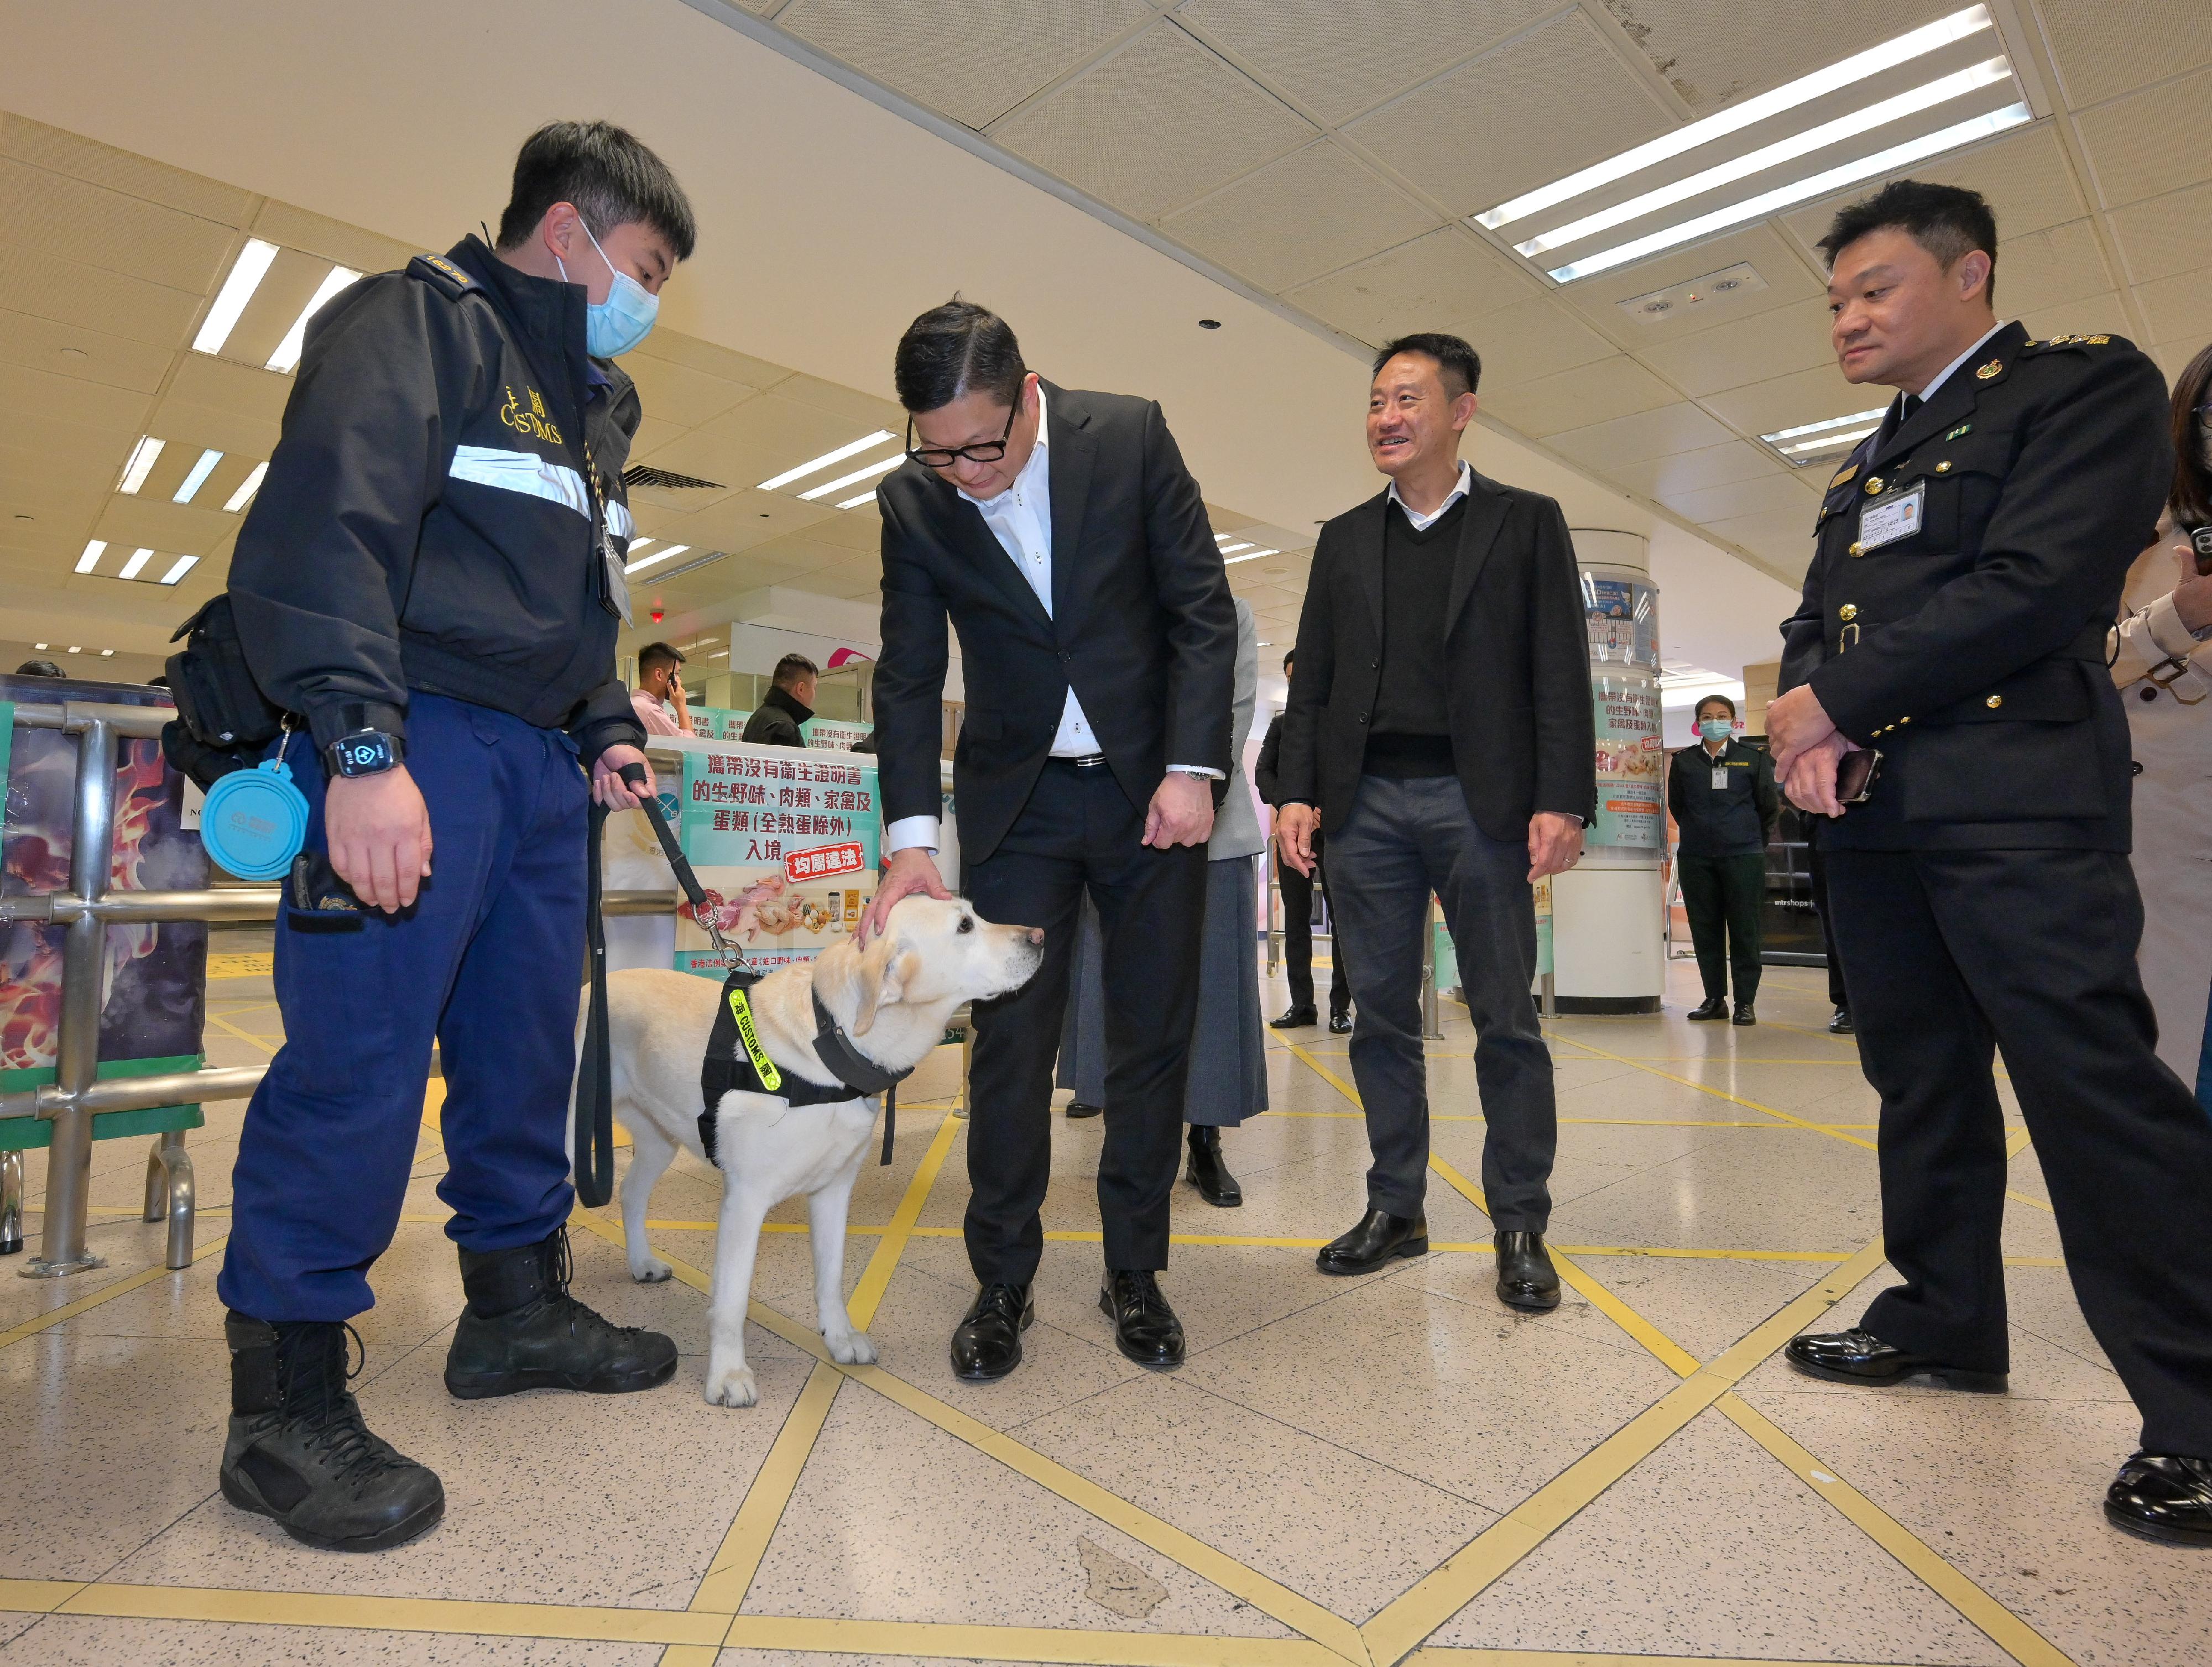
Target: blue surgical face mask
[1716,729]
[612,327]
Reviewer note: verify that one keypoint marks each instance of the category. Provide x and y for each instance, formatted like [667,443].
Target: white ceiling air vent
[1694,295]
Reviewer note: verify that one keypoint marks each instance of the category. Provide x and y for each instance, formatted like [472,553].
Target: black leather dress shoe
[1339,1021]
[1711,1007]
[1860,1357]
[1145,1329]
[1841,1025]
[1744,1016]
[1078,1108]
[2163,1496]
[1297,1018]
[1208,1173]
[1379,1236]
[987,1344]
[1526,1277]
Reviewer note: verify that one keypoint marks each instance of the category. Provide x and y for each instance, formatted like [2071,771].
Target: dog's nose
[1035,934]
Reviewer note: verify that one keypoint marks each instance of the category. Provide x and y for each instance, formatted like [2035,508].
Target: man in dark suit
[1439,724]
[1297,891]
[1061,535]
[1970,556]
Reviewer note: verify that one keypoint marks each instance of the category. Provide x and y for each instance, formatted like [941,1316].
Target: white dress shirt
[1020,518]
[1423,523]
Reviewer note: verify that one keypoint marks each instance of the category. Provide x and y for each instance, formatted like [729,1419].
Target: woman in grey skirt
[1228,1079]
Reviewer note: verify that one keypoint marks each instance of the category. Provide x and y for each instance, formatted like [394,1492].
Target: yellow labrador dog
[892,999]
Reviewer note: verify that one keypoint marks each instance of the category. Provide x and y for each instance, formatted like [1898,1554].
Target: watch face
[362,754]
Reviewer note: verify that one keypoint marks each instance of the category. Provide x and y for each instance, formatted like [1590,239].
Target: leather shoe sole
[1942,1377]
[1408,1248]
[2160,1533]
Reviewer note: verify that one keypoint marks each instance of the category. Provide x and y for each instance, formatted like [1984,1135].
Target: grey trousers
[1403,840]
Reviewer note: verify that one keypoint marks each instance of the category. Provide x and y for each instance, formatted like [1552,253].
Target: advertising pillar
[1608,926]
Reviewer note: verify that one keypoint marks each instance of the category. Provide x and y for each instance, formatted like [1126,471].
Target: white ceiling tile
[50,212]
[1310,212]
[1337,60]
[1657,433]
[2166,234]
[1687,471]
[1574,399]
[1752,350]
[2091,315]
[1534,338]
[1449,274]
[2180,308]
[331,241]
[1491,128]
[2174,358]
[188,426]
[679,394]
[2151,142]
[2102,50]
[1783,538]
[1714,53]
[245,390]
[677,348]
[122,171]
[1782,496]
[1809,396]
[2048,269]
[972,63]
[2024,175]
[38,395]
[1787,276]
[867,410]
[1156,125]
[89,355]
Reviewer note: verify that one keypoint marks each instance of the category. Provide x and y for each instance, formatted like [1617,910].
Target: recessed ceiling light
[1987,73]
[136,564]
[185,565]
[39,646]
[1254,556]
[287,350]
[854,503]
[827,459]
[719,654]
[246,488]
[637,544]
[75,648]
[140,465]
[1918,43]
[1221,537]
[106,653]
[245,274]
[660,555]
[93,551]
[197,478]
[878,467]
[1784,196]
[1803,428]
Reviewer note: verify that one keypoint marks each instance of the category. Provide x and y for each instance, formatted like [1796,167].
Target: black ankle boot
[1208,1173]
[523,1330]
[298,1451]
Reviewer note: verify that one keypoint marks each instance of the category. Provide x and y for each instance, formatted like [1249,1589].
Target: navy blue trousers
[489,961]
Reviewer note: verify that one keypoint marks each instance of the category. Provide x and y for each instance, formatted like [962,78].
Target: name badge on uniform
[617,584]
[1720,778]
[1886,519]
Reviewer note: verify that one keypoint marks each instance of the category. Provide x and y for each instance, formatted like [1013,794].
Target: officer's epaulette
[442,276]
[2058,343]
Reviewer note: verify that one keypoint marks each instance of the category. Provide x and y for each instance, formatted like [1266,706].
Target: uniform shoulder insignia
[442,276]
[1844,477]
[2074,341]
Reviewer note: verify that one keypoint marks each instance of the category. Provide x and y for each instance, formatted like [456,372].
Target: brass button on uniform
[1873,485]
[1858,549]
[1850,611]
[1994,702]
[1943,468]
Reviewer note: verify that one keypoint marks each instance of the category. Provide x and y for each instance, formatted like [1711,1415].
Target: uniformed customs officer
[1721,795]
[1969,559]
[431,577]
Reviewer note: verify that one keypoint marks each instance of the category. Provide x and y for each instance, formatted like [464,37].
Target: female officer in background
[1721,795]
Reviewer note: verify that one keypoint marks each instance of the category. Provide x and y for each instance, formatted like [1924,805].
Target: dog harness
[736,1059]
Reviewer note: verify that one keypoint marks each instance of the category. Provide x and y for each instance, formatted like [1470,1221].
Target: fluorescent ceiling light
[878,467]
[1828,442]
[637,544]
[1221,537]
[854,503]
[1230,549]
[90,559]
[1987,73]
[1852,420]
[1254,556]
[1784,196]
[141,464]
[136,564]
[827,459]
[106,653]
[246,488]
[1917,43]
[661,554]
[245,274]
[197,478]
[719,654]
[287,350]
[40,646]
[76,648]
[185,565]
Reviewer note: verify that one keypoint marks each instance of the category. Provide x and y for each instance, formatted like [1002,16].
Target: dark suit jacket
[1141,625]
[1516,645]
[1971,651]
[1266,767]
[775,721]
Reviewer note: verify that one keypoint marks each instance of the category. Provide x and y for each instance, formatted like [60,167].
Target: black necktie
[1911,404]
[1899,416]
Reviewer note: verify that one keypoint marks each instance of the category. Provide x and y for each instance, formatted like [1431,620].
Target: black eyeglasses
[989,451]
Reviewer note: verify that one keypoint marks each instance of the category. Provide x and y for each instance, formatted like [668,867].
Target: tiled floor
[1362,1470]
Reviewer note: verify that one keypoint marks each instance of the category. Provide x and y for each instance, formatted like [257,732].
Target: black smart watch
[364,752]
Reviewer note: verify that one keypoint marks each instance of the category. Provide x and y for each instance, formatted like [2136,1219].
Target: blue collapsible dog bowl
[255,822]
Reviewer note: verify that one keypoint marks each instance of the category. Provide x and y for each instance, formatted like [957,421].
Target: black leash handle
[634,775]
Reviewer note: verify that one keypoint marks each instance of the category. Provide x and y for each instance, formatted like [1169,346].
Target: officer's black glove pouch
[224,722]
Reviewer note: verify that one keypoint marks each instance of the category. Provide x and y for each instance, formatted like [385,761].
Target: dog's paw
[853,1349]
[651,1271]
[734,1387]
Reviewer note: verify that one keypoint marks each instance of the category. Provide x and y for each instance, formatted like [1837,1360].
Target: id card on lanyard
[1720,778]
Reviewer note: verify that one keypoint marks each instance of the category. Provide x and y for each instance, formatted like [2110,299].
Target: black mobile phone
[1855,775]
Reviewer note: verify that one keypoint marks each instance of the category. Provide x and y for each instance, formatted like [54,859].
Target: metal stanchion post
[11,1202]
[76,1053]
[1551,996]
[1431,1031]
[1273,893]
[169,1193]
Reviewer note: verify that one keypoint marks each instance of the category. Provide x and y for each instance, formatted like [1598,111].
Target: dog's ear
[887,967]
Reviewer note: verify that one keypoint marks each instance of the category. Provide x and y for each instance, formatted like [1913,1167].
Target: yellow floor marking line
[241,967]
[260,1042]
[409,1614]
[1606,1122]
[31,1328]
[1445,1655]
[37,1597]
[1026,1644]
[2007,1630]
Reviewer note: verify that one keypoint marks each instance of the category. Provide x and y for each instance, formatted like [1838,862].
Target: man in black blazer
[1297,891]
[1061,535]
[1439,726]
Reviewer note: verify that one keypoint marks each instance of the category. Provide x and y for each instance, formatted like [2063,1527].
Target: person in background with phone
[2162,664]
[660,686]
[1721,795]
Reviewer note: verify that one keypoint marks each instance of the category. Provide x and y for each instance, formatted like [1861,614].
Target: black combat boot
[523,1330]
[299,1451]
